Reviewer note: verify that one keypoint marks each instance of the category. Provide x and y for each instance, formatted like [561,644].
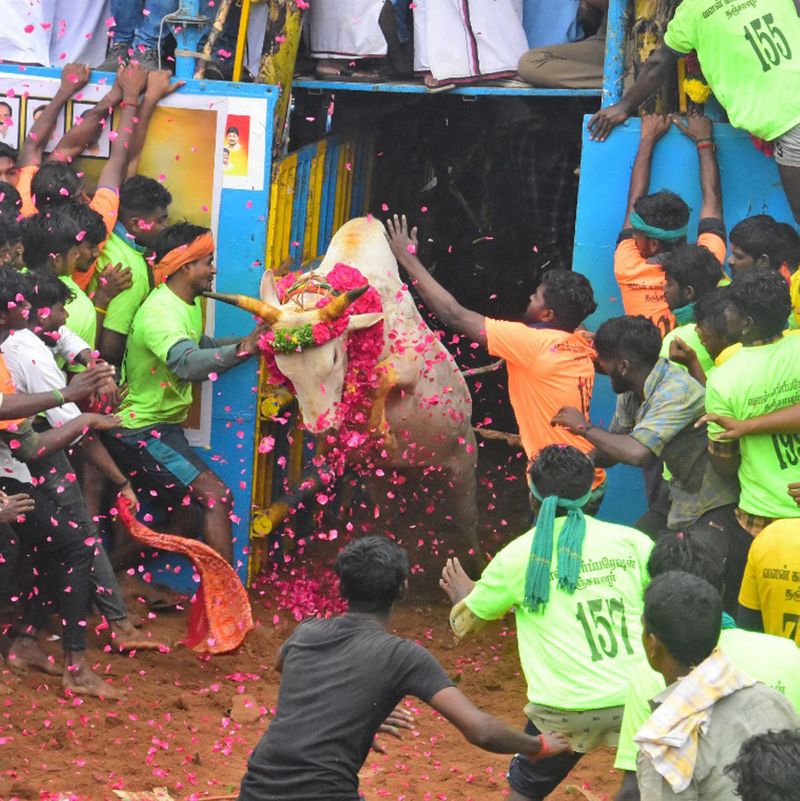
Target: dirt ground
[175,730]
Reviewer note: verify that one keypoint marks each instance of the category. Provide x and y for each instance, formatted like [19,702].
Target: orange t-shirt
[7,388]
[105,201]
[547,369]
[641,281]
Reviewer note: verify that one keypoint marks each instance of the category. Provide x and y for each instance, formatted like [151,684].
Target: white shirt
[33,368]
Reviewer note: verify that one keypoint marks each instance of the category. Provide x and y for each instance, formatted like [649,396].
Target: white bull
[428,409]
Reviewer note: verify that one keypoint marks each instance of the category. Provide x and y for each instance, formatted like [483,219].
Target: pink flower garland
[364,348]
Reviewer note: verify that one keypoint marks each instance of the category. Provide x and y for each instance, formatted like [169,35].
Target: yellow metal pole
[241,41]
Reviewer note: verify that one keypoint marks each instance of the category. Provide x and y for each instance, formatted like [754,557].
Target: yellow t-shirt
[771,581]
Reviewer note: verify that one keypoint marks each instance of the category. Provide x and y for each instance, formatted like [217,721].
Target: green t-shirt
[124,306]
[578,653]
[774,661]
[82,316]
[750,52]
[688,333]
[759,380]
[155,394]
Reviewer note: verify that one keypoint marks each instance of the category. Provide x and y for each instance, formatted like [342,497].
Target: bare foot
[126,637]
[79,679]
[26,654]
[455,582]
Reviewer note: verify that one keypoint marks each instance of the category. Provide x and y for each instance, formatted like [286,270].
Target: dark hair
[10,200]
[763,295]
[759,235]
[569,295]
[710,310]
[180,233]
[10,232]
[628,337]
[8,152]
[54,184]
[561,470]
[790,248]
[372,572]
[12,284]
[48,290]
[692,265]
[7,105]
[233,129]
[767,767]
[686,551]
[141,195]
[663,209]
[685,613]
[59,229]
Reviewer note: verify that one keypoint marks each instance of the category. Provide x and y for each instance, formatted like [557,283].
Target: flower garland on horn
[363,348]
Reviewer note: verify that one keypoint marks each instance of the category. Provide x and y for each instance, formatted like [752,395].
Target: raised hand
[695,126]
[74,76]
[402,242]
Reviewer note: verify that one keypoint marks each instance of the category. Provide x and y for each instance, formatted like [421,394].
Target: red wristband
[706,145]
[545,748]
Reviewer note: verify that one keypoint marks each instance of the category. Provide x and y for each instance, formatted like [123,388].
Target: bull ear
[269,290]
[359,321]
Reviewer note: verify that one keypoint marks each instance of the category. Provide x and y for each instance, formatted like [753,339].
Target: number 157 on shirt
[605,627]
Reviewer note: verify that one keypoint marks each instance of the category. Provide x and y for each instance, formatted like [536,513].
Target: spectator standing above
[771,660]
[709,707]
[340,679]
[137,32]
[549,364]
[574,65]
[760,378]
[166,352]
[751,63]
[575,586]
[656,410]
[692,272]
[657,223]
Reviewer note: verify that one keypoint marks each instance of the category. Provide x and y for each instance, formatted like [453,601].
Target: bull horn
[336,308]
[269,314]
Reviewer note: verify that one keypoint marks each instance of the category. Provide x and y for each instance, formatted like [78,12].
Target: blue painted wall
[750,185]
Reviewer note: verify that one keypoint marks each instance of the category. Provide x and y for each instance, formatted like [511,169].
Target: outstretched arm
[654,126]
[491,734]
[701,131]
[132,80]
[653,74]
[436,297]
[784,421]
[87,131]
[73,78]
[159,86]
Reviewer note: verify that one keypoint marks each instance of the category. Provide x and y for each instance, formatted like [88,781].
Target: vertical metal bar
[241,41]
[614,64]
[187,36]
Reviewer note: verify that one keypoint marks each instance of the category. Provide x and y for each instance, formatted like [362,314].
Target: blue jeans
[132,26]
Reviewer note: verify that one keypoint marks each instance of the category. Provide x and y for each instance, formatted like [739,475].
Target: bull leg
[463,502]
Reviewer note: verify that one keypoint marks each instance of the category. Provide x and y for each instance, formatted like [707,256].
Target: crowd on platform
[674,640]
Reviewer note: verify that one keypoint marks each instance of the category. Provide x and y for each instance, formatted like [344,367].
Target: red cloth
[220,616]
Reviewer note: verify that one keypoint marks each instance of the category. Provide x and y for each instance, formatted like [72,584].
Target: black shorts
[536,780]
[157,457]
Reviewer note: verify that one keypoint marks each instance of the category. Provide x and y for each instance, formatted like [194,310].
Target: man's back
[578,652]
[735,718]
[340,679]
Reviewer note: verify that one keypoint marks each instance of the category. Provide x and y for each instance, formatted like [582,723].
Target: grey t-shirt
[341,678]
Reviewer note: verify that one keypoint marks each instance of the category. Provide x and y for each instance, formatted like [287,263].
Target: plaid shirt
[664,423]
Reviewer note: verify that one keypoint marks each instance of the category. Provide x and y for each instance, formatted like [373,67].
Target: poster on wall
[10,107]
[244,145]
[34,106]
[101,149]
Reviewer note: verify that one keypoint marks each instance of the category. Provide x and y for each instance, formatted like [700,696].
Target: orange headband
[185,254]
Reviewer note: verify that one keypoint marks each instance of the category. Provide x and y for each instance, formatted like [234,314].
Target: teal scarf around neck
[570,545]
[684,314]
